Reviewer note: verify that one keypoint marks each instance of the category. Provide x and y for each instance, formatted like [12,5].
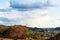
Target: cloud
[5,19]
[10,14]
[32,18]
[21,12]
[1,22]
[9,17]
[5,10]
[31,4]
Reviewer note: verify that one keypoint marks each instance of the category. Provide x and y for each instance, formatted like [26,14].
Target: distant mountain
[44,29]
[57,29]
[51,29]
[37,29]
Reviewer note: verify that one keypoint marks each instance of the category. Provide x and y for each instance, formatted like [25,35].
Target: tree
[15,31]
[2,29]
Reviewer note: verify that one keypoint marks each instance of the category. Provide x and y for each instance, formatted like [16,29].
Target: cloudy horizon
[33,13]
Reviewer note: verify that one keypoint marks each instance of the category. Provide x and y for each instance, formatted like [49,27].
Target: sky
[32,13]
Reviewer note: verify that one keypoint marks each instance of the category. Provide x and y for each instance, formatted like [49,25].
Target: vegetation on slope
[24,32]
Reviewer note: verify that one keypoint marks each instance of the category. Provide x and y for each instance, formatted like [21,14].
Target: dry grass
[17,39]
[5,39]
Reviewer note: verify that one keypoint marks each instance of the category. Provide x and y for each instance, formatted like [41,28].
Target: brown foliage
[16,31]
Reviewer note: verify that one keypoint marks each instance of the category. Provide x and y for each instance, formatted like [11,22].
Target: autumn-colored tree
[16,31]
[27,33]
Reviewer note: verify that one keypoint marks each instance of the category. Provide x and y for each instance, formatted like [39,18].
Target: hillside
[24,32]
